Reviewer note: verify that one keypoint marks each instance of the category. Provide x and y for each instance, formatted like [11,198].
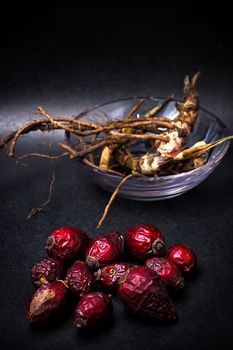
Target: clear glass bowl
[207,127]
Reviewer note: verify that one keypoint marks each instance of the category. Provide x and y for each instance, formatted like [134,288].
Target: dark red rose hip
[47,269]
[93,310]
[46,301]
[79,278]
[145,295]
[167,270]
[144,241]
[110,275]
[67,243]
[183,256]
[105,249]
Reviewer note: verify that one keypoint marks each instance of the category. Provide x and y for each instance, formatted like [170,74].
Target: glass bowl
[152,188]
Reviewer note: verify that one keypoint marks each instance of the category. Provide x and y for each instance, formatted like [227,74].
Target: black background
[66,58]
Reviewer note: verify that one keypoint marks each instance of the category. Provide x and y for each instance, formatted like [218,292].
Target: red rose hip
[167,270]
[93,310]
[144,241]
[79,279]
[109,276]
[183,256]
[67,243]
[105,249]
[46,270]
[46,301]
[145,295]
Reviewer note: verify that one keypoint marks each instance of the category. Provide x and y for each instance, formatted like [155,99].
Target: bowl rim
[156,178]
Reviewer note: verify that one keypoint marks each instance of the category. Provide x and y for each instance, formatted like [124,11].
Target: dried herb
[107,146]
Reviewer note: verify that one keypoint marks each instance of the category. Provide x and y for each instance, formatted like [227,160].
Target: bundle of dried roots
[108,146]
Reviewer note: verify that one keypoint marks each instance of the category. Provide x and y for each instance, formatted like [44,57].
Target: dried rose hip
[183,256]
[46,270]
[144,241]
[105,249]
[144,294]
[46,301]
[79,278]
[167,270]
[110,275]
[93,310]
[67,243]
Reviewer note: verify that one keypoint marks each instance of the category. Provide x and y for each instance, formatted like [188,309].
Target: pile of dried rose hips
[77,264]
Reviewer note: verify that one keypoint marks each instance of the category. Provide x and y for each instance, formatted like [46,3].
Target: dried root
[106,147]
[113,196]
[35,211]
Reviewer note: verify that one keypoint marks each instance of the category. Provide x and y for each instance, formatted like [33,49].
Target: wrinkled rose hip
[109,276]
[183,256]
[105,249]
[93,310]
[46,301]
[167,270]
[67,243]
[144,294]
[47,269]
[144,241]
[79,278]
[142,289]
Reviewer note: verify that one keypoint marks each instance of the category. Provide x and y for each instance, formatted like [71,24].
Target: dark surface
[67,59]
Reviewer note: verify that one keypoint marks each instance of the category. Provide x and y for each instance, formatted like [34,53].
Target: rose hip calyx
[92,263]
[157,246]
[50,242]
